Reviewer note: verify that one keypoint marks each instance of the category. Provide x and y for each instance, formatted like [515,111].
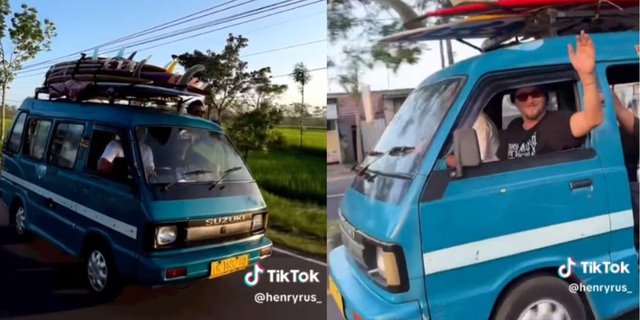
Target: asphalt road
[336,186]
[37,281]
[335,190]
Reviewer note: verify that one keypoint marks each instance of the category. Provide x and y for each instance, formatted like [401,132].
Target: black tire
[98,262]
[541,289]
[18,222]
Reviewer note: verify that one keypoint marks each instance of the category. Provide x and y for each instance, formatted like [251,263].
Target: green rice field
[311,138]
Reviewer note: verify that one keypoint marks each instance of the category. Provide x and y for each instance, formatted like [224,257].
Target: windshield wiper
[394,151]
[359,170]
[199,171]
[399,150]
[226,173]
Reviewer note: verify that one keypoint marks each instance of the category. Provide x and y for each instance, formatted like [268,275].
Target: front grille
[353,242]
[204,232]
[218,229]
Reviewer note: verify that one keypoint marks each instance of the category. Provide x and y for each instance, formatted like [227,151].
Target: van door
[39,214]
[62,178]
[506,218]
[112,201]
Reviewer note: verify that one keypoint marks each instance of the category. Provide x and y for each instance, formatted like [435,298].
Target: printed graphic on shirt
[525,149]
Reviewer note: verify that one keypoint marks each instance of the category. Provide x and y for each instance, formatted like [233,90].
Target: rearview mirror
[465,149]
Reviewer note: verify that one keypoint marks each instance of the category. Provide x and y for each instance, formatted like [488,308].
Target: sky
[278,41]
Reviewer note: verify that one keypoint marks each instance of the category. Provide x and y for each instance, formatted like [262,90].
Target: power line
[179,32]
[40,73]
[283,48]
[143,32]
[209,24]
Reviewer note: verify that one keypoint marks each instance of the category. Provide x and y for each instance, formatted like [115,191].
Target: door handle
[586,183]
[50,203]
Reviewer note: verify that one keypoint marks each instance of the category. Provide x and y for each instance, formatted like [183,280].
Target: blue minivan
[544,237]
[178,202]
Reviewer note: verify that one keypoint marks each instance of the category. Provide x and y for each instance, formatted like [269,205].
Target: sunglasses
[523,96]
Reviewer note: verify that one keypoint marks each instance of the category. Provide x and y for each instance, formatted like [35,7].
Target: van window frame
[52,136]
[13,126]
[123,132]
[24,152]
[484,90]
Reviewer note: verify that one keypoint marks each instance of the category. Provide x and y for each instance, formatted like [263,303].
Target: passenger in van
[196,108]
[488,140]
[114,150]
[630,136]
[541,131]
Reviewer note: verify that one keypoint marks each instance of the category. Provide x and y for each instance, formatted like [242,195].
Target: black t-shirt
[551,134]
[630,149]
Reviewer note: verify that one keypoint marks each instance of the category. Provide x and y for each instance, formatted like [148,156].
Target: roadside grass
[314,139]
[297,224]
[291,174]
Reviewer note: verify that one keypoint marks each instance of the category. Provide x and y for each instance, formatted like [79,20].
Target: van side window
[100,139]
[65,144]
[37,137]
[13,145]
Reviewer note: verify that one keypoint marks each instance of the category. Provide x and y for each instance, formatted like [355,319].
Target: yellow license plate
[335,293]
[227,266]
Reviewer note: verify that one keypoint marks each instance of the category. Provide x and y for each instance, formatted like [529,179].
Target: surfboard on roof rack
[484,7]
[120,70]
[534,23]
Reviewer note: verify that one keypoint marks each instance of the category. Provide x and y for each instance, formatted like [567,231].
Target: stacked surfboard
[501,20]
[124,77]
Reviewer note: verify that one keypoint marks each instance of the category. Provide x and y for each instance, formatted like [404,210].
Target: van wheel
[542,297]
[101,274]
[20,223]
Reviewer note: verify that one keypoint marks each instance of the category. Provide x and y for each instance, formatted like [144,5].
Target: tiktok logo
[252,277]
[565,270]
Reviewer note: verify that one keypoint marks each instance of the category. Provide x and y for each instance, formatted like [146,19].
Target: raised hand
[584,57]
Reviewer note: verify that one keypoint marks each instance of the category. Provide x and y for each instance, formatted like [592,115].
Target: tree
[361,23]
[255,129]
[225,73]
[320,111]
[28,36]
[301,76]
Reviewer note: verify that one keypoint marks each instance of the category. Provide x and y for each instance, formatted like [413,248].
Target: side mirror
[465,149]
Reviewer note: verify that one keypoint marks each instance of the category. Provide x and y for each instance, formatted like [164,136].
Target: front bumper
[359,298]
[197,261]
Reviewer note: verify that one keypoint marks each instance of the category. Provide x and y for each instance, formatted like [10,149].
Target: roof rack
[118,79]
[504,26]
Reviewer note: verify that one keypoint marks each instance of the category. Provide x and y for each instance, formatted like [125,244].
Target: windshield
[413,128]
[174,155]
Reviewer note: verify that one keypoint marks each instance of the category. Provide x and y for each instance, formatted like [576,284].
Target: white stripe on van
[117,225]
[511,244]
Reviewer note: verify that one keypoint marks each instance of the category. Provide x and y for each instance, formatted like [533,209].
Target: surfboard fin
[120,53]
[171,66]
[95,54]
[184,80]
[133,54]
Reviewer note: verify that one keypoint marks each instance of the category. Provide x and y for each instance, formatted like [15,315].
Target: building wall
[384,108]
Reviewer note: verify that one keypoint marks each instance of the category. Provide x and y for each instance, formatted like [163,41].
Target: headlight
[256,222]
[166,235]
[387,267]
